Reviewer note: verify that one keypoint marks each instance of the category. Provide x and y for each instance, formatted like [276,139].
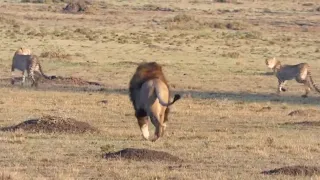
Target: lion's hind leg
[142,118]
[166,118]
[160,125]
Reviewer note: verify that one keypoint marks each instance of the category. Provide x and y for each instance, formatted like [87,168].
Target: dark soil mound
[306,112]
[57,80]
[142,154]
[51,124]
[69,81]
[304,123]
[295,171]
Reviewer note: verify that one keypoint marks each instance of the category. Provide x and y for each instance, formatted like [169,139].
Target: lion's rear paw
[155,138]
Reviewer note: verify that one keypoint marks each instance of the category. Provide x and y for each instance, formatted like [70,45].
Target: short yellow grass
[229,124]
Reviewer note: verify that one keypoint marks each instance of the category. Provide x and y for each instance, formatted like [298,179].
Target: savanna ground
[229,124]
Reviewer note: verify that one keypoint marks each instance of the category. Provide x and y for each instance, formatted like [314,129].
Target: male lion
[24,61]
[300,72]
[149,94]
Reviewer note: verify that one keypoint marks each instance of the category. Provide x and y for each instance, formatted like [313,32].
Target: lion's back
[144,73]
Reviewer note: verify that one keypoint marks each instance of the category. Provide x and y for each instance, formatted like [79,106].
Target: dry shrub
[210,1]
[182,21]
[10,21]
[231,55]
[224,1]
[76,6]
[185,21]
[242,35]
[90,34]
[307,4]
[183,18]
[235,26]
[200,2]
[55,52]
[42,1]
[152,7]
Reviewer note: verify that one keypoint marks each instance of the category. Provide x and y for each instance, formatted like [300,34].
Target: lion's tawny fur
[147,77]
[145,72]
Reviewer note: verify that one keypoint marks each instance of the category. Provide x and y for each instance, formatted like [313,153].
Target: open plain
[229,123]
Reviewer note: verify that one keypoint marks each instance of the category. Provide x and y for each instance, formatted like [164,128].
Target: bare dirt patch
[295,171]
[142,155]
[306,112]
[52,124]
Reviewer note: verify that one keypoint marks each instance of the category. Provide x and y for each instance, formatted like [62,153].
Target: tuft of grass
[307,4]
[43,1]
[183,18]
[55,52]
[219,113]
[189,22]
[236,26]
[211,1]
[153,7]
[107,148]
[242,35]
[231,55]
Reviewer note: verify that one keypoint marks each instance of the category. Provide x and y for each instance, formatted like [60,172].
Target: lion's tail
[162,102]
[313,83]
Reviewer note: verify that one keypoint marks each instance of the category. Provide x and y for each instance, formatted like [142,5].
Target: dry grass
[229,125]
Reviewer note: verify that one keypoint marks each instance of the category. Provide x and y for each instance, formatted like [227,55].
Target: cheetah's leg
[307,86]
[280,87]
[23,77]
[306,82]
[34,82]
